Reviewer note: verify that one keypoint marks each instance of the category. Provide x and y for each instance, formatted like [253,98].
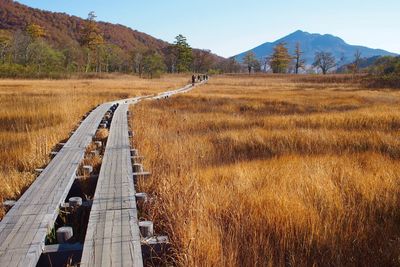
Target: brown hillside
[63,29]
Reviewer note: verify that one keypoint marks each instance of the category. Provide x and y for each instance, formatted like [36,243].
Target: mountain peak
[299,32]
[311,43]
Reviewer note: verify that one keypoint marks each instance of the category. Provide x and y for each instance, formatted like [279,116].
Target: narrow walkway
[24,228]
[113,237]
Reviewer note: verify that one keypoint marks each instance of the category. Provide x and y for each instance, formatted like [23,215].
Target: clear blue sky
[228,27]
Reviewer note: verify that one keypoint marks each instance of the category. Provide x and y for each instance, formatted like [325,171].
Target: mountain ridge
[314,42]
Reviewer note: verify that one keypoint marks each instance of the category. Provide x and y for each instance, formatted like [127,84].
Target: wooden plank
[112,237]
[24,228]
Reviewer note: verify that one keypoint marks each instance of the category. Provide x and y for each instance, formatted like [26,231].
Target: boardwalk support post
[64,234]
[146,229]
[94,153]
[8,204]
[155,249]
[141,197]
[98,144]
[75,202]
[138,168]
[134,152]
[39,171]
[141,200]
[87,170]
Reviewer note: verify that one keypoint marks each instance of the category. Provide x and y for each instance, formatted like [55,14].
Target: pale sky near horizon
[229,27]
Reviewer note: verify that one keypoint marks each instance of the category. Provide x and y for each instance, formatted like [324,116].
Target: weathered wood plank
[24,228]
[112,237]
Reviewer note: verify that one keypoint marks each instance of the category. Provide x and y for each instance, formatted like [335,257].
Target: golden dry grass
[36,115]
[274,171]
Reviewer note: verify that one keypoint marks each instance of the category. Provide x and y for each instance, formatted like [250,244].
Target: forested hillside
[62,29]
[37,43]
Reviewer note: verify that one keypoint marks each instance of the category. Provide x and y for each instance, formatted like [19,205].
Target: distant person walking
[193,79]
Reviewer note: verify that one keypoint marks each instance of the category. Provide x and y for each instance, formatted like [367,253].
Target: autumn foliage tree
[250,61]
[280,59]
[153,64]
[91,39]
[35,31]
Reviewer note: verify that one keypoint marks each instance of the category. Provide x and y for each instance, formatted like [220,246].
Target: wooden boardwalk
[113,237]
[24,228]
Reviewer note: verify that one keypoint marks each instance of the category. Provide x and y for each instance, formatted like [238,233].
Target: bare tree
[357,61]
[265,63]
[325,61]
[171,58]
[5,43]
[202,60]
[230,65]
[299,61]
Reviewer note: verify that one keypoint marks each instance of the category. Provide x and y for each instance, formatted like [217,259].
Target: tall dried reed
[35,115]
[272,171]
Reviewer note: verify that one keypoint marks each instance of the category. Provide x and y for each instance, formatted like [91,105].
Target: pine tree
[183,53]
[280,59]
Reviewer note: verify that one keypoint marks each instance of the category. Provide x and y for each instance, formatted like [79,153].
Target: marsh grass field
[37,114]
[275,171]
[254,170]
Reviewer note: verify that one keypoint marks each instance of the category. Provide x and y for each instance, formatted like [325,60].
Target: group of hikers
[199,78]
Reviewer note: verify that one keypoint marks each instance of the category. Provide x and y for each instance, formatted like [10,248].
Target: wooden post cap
[87,169]
[64,234]
[141,197]
[9,203]
[75,202]
[146,229]
[98,144]
[137,168]
[134,152]
[94,153]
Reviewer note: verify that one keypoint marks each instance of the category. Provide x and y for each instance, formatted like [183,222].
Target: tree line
[281,61]
[26,53]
